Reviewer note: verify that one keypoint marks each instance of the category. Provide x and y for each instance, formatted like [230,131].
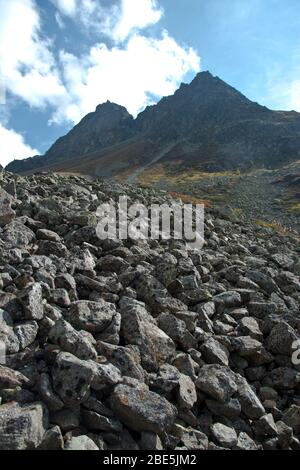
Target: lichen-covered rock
[94,317]
[22,427]
[7,214]
[282,338]
[217,381]
[72,341]
[81,443]
[142,344]
[155,346]
[72,378]
[141,410]
[32,302]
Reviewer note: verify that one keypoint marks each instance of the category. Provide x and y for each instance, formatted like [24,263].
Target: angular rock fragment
[22,427]
[141,410]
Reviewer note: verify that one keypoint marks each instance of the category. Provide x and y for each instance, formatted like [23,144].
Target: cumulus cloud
[129,76]
[67,7]
[124,64]
[13,146]
[136,15]
[118,20]
[27,63]
[90,14]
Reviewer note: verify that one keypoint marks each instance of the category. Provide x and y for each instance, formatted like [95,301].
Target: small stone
[94,317]
[292,418]
[150,441]
[81,443]
[32,301]
[186,393]
[52,440]
[217,381]
[265,426]
[72,378]
[215,352]
[26,333]
[224,435]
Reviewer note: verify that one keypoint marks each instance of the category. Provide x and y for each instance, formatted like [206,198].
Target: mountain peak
[213,125]
[110,107]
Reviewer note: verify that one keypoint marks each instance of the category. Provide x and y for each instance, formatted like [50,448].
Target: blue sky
[70,55]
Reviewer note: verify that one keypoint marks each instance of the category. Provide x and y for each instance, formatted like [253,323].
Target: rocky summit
[142,344]
[206,124]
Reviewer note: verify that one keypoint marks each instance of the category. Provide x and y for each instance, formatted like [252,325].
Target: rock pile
[123,344]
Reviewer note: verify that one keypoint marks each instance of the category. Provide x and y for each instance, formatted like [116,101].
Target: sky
[59,59]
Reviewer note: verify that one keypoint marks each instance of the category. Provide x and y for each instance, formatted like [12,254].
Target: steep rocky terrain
[206,124]
[142,344]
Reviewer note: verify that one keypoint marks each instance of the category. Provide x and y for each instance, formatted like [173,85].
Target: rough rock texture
[131,344]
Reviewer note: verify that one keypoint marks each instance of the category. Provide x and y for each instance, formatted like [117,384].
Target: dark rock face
[143,344]
[206,124]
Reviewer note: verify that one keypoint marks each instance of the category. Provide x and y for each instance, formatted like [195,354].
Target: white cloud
[27,63]
[128,76]
[136,15]
[59,20]
[67,7]
[12,146]
[118,20]
[91,14]
[130,68]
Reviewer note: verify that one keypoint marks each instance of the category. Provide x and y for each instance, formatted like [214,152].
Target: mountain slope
[206,124]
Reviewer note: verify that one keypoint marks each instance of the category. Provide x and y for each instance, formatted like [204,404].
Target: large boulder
[94,317]
[137,327]
[142,410]
[7,214]
[22,427]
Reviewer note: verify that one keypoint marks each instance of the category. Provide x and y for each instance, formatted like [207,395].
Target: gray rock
[250,403]
[227,300]
[281,339]
[47,394]
[95,421]
[52,440]
[292,418]
[155,346]
[22,427]
[72,341]
[10,378]
[245,442]
[186,393]
[150,441]
[26,333]
[105,375]
[217,381]
[72,378]
[265,426]
[126,359]
[230,409]
[225,436]
[215,352]
[32,302]
[94,317]
[68,419]
[141,410]
[7,214]
[81,443]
